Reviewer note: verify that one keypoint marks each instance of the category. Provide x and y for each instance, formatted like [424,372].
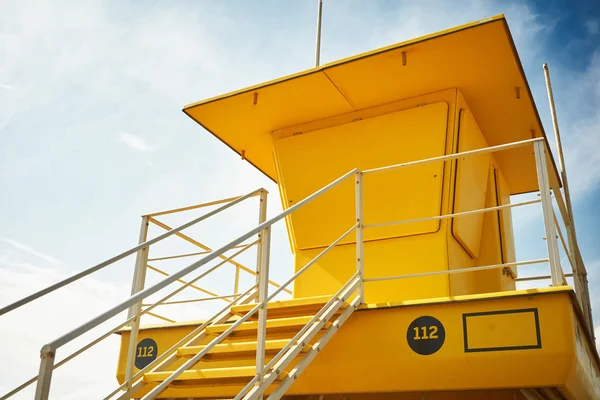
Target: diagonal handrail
[124,254]
[143,312]
[66,338]
[186,340]
[347,288]
[48,351]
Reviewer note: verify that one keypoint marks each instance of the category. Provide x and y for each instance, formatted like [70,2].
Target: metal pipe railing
[168,303]
[123,324]
[203,246]
[311,262]
[454,215]
[48,351]
[199,253]
[183,341]
[263,230]
[198,288]
[352,281]
[124,254]
[457,271]
[454,156]
[538,278]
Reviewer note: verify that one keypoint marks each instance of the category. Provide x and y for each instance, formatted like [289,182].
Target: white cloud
[44,320]
[582,140]
[592,27]
[135,142]
[7,87]
[27,249]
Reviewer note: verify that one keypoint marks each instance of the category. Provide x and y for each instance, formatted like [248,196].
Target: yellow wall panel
[309,161]
[408,255]
[470,186]
[508,241]
[516,329]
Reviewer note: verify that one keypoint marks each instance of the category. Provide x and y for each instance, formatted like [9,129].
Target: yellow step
[231,349]
[274,326]
[206,375]
[287,308]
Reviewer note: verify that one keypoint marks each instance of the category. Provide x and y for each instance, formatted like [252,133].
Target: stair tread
[280,305]
[205,373]
[234,347]
[272,324]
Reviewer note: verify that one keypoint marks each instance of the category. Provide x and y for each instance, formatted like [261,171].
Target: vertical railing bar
[568,251]
[42,389]
[263,289]
[139,279]
[236,285]
[547,211]
[360,245]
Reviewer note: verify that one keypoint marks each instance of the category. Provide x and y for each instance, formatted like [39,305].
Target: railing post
[42,389]
[262,217]
[139,279]
[547,213]
[263,292]
[360,245]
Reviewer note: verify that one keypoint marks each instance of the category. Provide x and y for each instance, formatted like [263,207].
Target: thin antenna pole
[579,271]
[561,159]
[318,50]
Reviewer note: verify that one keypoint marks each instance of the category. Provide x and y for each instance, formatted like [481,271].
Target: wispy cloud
[592,27]
[7,87]
[582,140]
[30,250]
[136,142]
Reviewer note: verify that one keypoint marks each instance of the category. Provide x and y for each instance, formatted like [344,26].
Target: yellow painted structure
[453,91]
[493,342]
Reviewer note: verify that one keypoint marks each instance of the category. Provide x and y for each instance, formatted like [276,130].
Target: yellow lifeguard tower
[395,170]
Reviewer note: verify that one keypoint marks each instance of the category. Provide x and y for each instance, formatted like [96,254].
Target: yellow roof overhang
[478,58]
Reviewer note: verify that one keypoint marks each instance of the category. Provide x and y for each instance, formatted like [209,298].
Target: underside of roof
[479,58]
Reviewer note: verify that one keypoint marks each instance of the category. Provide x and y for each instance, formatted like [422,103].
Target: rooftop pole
[318,50]
[579,273]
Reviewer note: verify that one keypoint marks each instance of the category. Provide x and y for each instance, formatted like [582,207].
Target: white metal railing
[138,275]
[266,374]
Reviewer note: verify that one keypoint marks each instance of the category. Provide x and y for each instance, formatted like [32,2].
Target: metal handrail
[311,262]
[48,350]
[448,216]
[457,271]
[158,389]
[66,338]
[124,254]
[205,247]
[199,253]
[181,342]
[164,273]
[298,335]
[167,303]
[264,228]
[454,156]
[123,324]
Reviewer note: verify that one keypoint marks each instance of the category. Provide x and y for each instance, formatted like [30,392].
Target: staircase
[254,342]
[296,330]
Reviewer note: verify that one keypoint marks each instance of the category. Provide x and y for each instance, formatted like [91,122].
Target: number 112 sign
[425,335]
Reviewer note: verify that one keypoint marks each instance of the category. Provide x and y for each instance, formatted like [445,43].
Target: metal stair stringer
[314,327]
[312,353]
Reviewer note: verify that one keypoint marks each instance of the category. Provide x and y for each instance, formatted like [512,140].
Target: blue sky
[92,136]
